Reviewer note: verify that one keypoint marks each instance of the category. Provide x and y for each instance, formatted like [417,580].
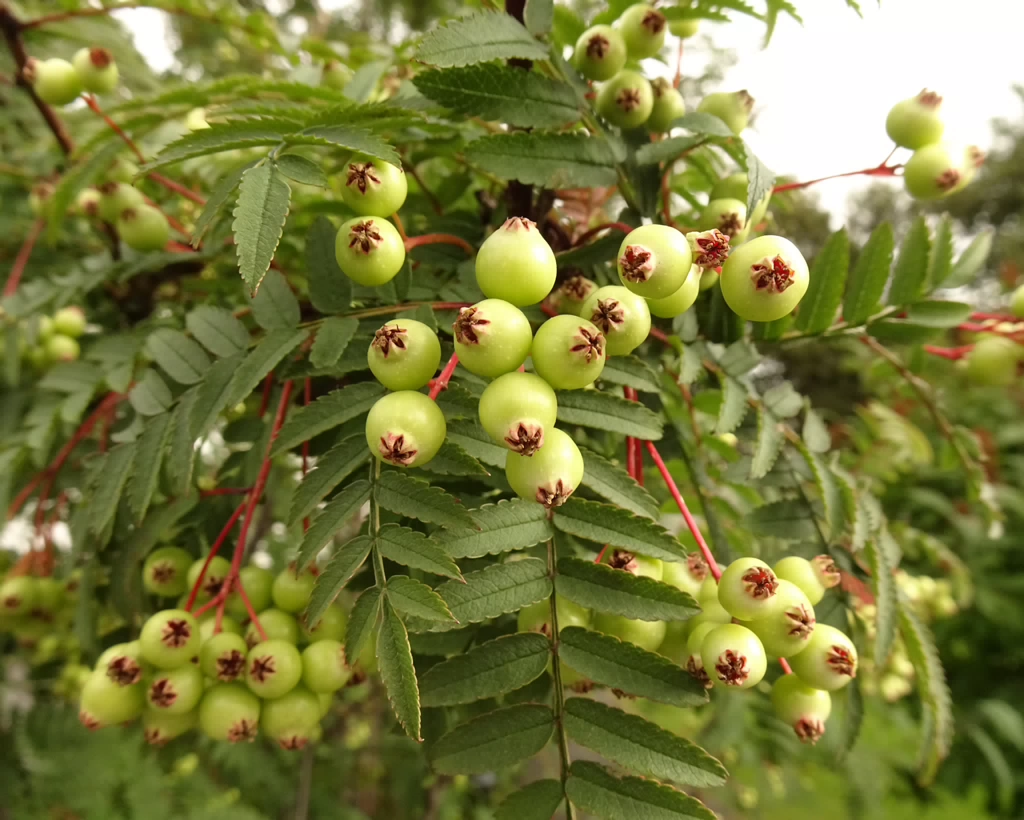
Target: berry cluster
[58,82]
[51,339]
[369,249]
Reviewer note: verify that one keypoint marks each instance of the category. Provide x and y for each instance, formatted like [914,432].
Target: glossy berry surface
[331,626]
[160,728]
[626,100]
[621,315]
[175,691]
[537,617]
[517,410]
[69,321]
[992,361]
[165,571]
[934,171]
[62,348]
[684,29]
[117,197]
[676,304]
[731,107]
[802,707]
[786,631]
[693,662]
[213,580]
[273,668]
[687,575]
[668,106]
[404,354]
[812,577]
[169,639]
[291,719]
[222,657]
[830,660]
[277,624]
[600,53]
[373,187]
[104,703]
[324,668]
[748,589]
[96,69]
[291,590]
[733,656]
[634,563]
[405,429]
[643,28]
[764,279]
[122,663]
[571,294]
[492,337]
[516,264]
[55,81]
[257,582]
[143,228]
[726,215]
[653,261]
[369,250]
[551,474]
[916,122]
[645,634]
[17,595]
[336,75]
[87,203]
[569,352]
[229,711]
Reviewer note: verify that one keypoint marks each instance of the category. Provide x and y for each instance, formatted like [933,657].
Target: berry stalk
[882,170]
[213,553]
[441,382]
[606,226]
[438,239]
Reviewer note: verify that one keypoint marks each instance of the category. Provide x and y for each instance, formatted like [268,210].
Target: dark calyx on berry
[554,496]
[654,21]
[393,450]
[621,559]
[124,671]
[809,730]
[732,668]
[760,583]
[262,668]
[589,345]
[800,621]
[929,98]
[698,672]
[697,566]
[361,174]
[388,337]
[364,237]
[841,661]
[711,248]
[177,633]
[243,730]
[525,440]
[637,263]
[162,693]
[772,275]
[608,314]
[628,99]
[164,572]
[467,326]
[948,179]
[597,47]
[230,665]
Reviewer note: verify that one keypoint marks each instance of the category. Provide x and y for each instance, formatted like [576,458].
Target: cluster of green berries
[369,249]
[39,612]
[58,82]
[936,169]
[994,359]
[51,339]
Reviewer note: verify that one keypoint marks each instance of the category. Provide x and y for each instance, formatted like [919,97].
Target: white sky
[823,89]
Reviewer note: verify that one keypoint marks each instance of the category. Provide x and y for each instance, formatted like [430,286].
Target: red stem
[438,239]
[882,170]
[21,260]
[268,383]
[224,491]
[249,608]
[678,498]
[785,666]
[600,555]
[1002,317]
[213,552]
[400,227]
[614,226]
[441,382]
[679,66]
[951,353]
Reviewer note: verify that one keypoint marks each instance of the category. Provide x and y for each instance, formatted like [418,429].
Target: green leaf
[621,665]
[274,307]
[495,590]
[181,455]
[260,213]
[472,438]
[486,671]
[498,92]
[150,396]
[494,740]
[217,330]
[640,745]
[345,562]
[782,400]
[936,313]
[414,498]
[971,261]
[631,371]
[867,280]
[302,170]
[261,360]
[112,475]
[616,485]
[331,519]
[768,445]
[539,16]
[415,598]
[331,469]
[211,398]
[734,404]
[666,150]
[331,340]
[760,180]
[739,358]
[884,586]
[940,261]
[218,198]
[75,179]
[394,661]
[479,38]
[327,412]
[508,525]
[413,549]
[177,355]
[602,250]
[901,331]
[828,488]
[551,160]
[361,621]
[618,528]
[781,519]
[149,456]
[697,122]
[330,290]
[594,790]
[815,433]
[603,411]
[353,138]
[605,589]
[911,269]
[451,459]
[828,280]
[537,801]
[223,137]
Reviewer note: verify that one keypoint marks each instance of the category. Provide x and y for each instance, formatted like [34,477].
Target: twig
[882,170]
[441,382]
[613,226]
[399,226]
[439,239]
[679,66]
[213,552]
[21,260]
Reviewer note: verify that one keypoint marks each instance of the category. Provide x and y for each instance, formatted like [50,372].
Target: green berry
[653,261]
[916,122]
[96,70]
[516,264]
[786,631]
[405,429]
[687,575]
[257,583]
[369,250]
[694,663]
[49,595]
[404,354]
[331,626]
[277,624]
[336,75]
[214,578]
[682,300]
[731,107]
[551,474]
[668,106]
[122,170]
[122,663]
[622,316]
[829,661]
[39,200]
[87,203]
[710,249]
[600,53]
[62,349]
[324,668]
[993,361]
[160,728]
[764,279]
[222,657]
[143,228]
[195,120]
[492,337]
[537,617]
[55,81]
[732,655]
[934,171]
[569,297]
[517,409]
[292,718]
[117,197]
[208,623]
[812,577]
[643,30]
[291,589]
[568,352]
[726,215]
[685,28]
[273,668]
[374,187]
[626,100]
[169,639]
[1017,302]
[804,708]
[175,691]
[635,564]
[17,595]
[69,321]
[645,634]
[748,589]
[104,703]
[165,572]
[229,711]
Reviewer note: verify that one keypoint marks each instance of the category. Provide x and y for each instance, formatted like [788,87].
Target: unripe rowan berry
[668,106]
[764,279]
[993,361]
[829,661]
[568,352]
[551,474]
[54,81]
[688,575]
[621,315]
[405,429]
[748,589]
[676,304]
[732,655]
[144,228]
[733,108]
[726,215]
[935,171]
[802,707]
[643,30]
[626,100]
[404,354]
[645,634]
[916,122]
[96,69]
[336,75]
[492,337]
[369,250]
[653,261]
[568,298]
[635,564]
[685,28]
[517,410]
[516,264]
[600,53]
[116,197]
[786,631]
[812,577]
[87,203]
[374,187]
[62,348]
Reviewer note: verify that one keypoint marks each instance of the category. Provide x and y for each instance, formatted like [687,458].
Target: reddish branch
[613,226]
[441,382]
[21,260]
[438,239]
[224,491]
[951,353]
[213,554]
[882,170]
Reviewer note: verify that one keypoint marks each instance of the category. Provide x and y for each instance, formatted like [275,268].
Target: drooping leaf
[507,525]
[331,519]
[302,170]
[618,528]
[616,485]
[451,459]
[354,138]
[472,438]
[218,198]
[414,498]
[910,272]
[332,468]
[604,411]
[217,330]
[213,394]
[759,179]
[815,434]
[397,672]
[768,445]
[539,16]
[937,313]
[697,122]
[177,355]
[596,791]
[940,262]
[631,371]
[884,586]
[415,598]
[330,290]
[332,579]
[181,454]
[867,280]
[494,740]
[327,412]
[781,519]
[361,622]
[331,340]
[260,213]
[971,261]
[479,38]
[552,160]
[413,549]
[150,396]
[605,589]
[112,475]
[261,360]
[149,456]
[537,801]
[223,137]
[734,404]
